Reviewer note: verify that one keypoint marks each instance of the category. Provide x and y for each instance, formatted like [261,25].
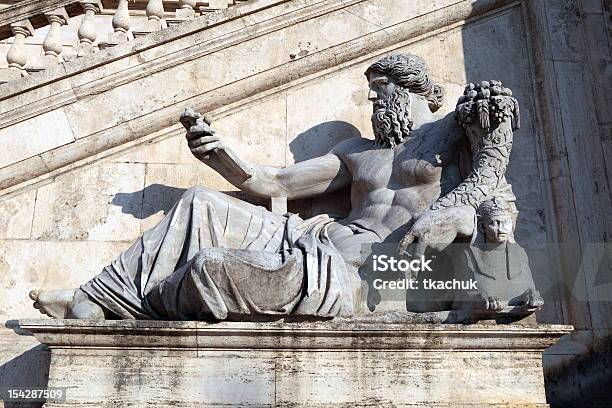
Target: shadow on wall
[154,198]
[159,197]
[320,139]
[29,370]
[579,380]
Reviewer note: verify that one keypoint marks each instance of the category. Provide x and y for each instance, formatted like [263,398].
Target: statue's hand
[200,137]
[437,229]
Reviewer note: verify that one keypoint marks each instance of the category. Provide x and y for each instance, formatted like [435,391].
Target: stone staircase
[35,34]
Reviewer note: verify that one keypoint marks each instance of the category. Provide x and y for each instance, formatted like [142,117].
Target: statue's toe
[535,302]
[34,294]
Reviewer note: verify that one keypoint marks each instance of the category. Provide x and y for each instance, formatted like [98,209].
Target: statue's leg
[200,219]
[220,283]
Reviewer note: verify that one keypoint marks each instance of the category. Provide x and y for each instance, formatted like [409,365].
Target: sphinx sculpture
[497,264]
[216,257]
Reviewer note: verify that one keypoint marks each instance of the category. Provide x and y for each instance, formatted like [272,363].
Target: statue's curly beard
[391,119]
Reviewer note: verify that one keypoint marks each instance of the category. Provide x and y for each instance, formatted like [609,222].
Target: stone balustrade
[73,28]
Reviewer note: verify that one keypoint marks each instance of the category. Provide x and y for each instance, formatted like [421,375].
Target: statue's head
[394,81]
[495,221]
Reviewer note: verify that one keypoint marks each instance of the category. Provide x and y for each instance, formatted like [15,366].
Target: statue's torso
[390,186]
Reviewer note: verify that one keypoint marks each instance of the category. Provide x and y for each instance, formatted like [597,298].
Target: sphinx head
[495,221]
[396,83]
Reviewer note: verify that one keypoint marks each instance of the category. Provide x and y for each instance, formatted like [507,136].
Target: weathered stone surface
[54,264]
[258,131]
[65,210]
[349,116]
[565,18]
[260,141]
[132,82]
[601,62]
[543,187]
[578,371]
[172,150]
[24,362]
[24,140]
[288,364]
[17,214]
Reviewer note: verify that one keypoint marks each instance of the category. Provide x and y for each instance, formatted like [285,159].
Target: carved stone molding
[274,364]
[159,54]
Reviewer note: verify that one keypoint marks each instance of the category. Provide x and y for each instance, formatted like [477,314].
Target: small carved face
[497,228]
[381,86]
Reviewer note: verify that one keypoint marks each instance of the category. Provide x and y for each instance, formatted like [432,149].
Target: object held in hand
[190,118]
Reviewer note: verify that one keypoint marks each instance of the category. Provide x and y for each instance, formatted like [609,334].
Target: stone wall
[571,41]
[61,228]
[95,210]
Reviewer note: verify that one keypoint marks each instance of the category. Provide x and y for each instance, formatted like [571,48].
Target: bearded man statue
[215,257]
[391,120]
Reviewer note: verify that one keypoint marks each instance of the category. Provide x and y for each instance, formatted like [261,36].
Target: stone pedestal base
[196,364]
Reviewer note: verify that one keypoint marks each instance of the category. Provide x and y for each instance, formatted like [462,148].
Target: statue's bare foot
[492,304]
[53,303]
[66,304]
[479,302]
[532,299]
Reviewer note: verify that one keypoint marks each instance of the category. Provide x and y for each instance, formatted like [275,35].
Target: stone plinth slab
[306,364]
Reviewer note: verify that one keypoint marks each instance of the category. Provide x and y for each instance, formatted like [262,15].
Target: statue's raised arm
[301,180]
[489,114]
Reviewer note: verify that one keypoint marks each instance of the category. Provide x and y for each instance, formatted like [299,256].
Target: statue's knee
[208,256]
[196,190]
[204,194]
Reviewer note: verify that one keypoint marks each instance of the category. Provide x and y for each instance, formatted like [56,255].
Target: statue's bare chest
[383,168]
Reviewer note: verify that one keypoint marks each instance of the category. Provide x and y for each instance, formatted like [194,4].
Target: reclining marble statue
[418,183]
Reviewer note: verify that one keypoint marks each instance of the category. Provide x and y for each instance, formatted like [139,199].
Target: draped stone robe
[214,256]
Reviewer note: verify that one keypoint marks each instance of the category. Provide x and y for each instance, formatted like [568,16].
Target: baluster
[185,11]
[187,5]
[121,25]
[155,13]
[17,56]
[87,30]
[121,19]
[52,45]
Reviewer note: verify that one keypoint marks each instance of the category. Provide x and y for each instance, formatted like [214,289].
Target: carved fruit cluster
[490,103]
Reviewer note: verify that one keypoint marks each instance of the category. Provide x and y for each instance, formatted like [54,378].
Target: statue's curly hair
[410,72]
